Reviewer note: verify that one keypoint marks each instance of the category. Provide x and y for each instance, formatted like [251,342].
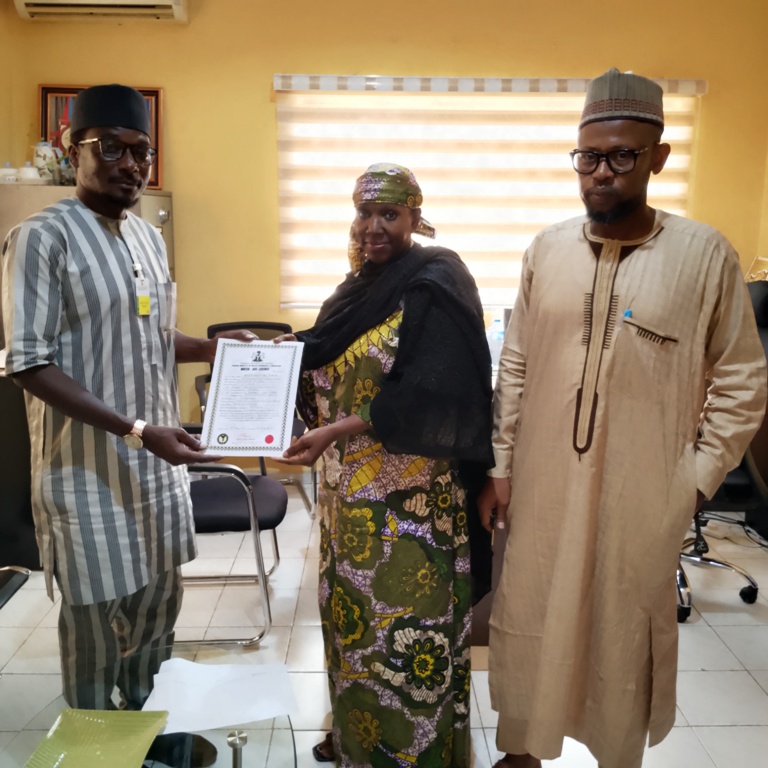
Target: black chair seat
[218,504]
[736,491]
[737,478]
[737,487]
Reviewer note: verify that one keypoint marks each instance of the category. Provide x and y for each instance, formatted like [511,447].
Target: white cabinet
[18,201]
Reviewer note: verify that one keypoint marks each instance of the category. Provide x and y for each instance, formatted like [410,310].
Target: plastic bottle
[28,173]
[495,336]
[7,174]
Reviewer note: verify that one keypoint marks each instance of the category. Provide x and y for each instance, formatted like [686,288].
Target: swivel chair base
[696,557]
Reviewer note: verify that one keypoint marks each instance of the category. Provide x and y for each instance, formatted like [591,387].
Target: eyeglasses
[113,150]
[619,160]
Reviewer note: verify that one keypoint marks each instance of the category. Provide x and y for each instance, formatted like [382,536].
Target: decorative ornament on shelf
[45,159]
[753,273]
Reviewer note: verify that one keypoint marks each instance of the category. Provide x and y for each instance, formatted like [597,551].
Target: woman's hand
[494,497]
[284,337]
[308,448]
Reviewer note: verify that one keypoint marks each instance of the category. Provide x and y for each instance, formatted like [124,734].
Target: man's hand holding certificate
[252,398]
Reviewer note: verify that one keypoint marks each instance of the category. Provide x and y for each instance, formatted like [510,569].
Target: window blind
[491,157]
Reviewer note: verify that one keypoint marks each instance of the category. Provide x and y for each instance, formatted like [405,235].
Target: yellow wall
[219,126]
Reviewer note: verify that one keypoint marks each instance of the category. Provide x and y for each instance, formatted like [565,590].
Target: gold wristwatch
[133,438]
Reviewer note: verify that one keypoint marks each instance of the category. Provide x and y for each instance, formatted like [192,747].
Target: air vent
[65,10]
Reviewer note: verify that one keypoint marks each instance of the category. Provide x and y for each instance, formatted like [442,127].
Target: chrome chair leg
[694,550]
[275,553]
[748,594]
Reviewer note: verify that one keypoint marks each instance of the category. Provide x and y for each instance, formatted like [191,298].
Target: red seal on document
[269,439]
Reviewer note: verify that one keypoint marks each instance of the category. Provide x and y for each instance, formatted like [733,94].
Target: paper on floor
[200,697]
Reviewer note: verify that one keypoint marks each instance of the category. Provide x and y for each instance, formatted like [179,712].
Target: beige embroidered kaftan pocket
[644,359]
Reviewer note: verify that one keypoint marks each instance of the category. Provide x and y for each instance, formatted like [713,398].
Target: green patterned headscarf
[392,184]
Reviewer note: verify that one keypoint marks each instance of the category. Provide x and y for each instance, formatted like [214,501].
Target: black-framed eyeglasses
[112,150]
[619,160]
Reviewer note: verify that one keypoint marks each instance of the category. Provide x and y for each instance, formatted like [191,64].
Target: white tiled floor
[722,683]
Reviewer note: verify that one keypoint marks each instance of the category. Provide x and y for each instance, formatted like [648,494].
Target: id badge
[142,296]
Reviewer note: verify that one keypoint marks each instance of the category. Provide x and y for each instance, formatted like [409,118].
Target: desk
[270,743]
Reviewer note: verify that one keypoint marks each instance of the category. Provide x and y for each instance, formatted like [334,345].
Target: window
[491,156]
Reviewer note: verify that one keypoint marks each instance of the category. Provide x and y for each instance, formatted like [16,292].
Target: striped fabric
[490,155]
[111,517]
[119,643]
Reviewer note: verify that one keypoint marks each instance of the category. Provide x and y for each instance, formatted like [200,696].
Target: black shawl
[436,400]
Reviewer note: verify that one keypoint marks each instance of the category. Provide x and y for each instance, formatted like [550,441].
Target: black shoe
[323,752]
[181,750]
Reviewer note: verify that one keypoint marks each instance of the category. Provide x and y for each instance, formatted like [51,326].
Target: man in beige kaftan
[630,382]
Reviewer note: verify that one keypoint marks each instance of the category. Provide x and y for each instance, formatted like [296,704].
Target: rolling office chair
[695,549]
[227,499]
[12,579]
[264,330]
[743,490]
[17,529]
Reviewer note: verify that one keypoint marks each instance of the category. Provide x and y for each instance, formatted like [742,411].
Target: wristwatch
[133,438]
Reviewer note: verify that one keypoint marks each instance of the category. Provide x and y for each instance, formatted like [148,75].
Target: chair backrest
[263,329]
[746,487]
[757,454]
[758,292]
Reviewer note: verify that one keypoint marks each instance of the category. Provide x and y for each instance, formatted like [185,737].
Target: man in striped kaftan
[89,317]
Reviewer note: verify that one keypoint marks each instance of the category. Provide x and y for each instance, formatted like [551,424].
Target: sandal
[323,752]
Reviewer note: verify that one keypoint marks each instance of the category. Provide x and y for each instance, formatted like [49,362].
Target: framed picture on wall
[56,106]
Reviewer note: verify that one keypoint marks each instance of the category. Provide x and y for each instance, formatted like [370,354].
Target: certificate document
[252,398]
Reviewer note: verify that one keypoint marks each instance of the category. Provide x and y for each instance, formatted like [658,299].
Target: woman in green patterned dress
[396,388]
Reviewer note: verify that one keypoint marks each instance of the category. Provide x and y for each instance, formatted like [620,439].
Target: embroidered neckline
[657,227]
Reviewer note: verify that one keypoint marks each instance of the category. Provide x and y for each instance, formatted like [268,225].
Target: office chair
[264,330]
[695,549]
[227,499]
[17,529]
[743,490]
[12,579]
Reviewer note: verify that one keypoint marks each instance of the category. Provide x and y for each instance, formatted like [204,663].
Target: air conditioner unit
[67,10]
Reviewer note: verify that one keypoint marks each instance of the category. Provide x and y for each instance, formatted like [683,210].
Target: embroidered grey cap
[619,95]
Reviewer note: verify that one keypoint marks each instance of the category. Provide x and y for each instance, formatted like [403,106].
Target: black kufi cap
[110,106]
